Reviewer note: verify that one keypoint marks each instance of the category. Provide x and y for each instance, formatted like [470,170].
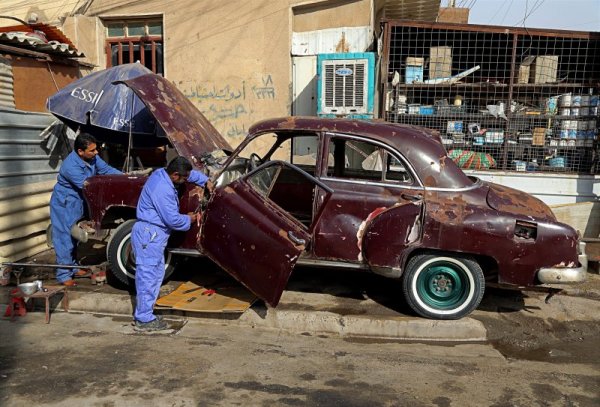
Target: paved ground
[309,352]
[91,360]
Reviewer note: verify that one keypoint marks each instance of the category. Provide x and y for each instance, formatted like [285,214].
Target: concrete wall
[230,58]
[48,11]
[329,14]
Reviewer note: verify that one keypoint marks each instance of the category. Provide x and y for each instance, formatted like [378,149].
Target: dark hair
[83,140]
[180,165]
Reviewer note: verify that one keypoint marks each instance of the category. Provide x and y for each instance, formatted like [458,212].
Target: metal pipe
[56,266]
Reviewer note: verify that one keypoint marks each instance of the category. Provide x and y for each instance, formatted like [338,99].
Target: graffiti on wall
[230,106]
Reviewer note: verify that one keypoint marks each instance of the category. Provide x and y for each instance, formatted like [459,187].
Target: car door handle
[413,198]
[297,241]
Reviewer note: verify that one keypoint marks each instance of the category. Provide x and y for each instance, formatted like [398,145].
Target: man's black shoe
[154,325]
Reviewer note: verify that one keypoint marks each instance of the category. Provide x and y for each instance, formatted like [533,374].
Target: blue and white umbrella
[107,110]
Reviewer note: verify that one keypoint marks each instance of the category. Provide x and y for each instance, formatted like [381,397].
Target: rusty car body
[344,193]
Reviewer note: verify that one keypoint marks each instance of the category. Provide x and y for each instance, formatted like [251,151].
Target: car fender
[388,234]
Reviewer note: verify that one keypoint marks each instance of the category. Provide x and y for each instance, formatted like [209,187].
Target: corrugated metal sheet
[332,40]
[421,10]
[19,39]
[7,95]
[27,175]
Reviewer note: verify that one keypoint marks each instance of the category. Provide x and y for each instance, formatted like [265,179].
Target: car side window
[357,159]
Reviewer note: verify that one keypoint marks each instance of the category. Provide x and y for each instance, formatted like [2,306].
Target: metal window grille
[528,100]
[132,41]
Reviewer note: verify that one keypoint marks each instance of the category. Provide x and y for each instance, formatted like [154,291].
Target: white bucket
[576,100]
[565,125]
[575,111]
[565,111]
[565,100]
[585,100]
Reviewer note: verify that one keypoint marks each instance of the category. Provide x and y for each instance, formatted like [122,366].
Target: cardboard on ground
[226,299]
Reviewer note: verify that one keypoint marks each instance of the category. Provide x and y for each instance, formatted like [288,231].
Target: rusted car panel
[370,195]
[251,240]
[105,193]
[188,130]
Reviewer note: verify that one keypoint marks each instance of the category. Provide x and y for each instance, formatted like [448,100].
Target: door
[248,233]
[304,82]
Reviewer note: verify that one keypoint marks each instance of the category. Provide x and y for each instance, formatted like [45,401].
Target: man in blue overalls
[158,215]
[66,203]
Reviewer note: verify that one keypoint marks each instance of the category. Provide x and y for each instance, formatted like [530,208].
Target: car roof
[422,147]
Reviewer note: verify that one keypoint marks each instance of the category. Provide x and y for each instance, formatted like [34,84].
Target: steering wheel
[254,161]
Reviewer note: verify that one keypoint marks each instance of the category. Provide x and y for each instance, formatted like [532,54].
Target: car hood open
[186,127]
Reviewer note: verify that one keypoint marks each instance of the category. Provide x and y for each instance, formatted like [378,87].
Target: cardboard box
[544,69]
[539,136]
[440,62]
[525,70]
[414,70]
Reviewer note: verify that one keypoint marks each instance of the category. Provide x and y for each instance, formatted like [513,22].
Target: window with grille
[136,40]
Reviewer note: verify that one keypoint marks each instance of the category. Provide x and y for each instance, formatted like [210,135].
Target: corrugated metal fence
[27,175]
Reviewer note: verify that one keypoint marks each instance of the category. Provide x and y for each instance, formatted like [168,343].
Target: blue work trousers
[148,242]
[65,211]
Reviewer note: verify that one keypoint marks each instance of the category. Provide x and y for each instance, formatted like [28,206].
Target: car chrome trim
[378,183]
[304,261]
[186,252]
[562,275]
[406,163]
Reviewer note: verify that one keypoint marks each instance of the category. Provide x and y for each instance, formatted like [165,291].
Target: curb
[297,321]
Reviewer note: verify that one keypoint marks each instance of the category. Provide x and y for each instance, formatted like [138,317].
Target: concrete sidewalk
[298,312]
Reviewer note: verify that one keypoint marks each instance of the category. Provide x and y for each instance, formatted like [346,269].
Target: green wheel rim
[443,285]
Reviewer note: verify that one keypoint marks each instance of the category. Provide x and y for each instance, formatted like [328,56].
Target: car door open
[256,227]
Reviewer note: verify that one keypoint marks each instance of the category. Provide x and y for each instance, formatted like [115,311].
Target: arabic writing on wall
[230,106]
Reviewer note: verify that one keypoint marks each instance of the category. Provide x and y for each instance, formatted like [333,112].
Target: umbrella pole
[130,135]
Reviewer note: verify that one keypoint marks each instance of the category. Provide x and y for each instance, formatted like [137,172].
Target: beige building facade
[232,59]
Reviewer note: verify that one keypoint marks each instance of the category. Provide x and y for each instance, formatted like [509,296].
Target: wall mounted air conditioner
[345,86]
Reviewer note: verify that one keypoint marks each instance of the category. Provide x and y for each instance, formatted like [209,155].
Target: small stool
[52,290]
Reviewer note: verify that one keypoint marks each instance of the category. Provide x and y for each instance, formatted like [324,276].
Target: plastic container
[426,110]
[558,162]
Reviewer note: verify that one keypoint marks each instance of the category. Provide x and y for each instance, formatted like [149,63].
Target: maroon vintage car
[343,193]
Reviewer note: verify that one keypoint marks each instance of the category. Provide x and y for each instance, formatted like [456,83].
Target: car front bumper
[565,275]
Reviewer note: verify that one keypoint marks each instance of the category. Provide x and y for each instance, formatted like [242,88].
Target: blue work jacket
[74,171]
[159,204]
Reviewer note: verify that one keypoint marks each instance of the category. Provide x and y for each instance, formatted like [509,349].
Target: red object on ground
[16,305]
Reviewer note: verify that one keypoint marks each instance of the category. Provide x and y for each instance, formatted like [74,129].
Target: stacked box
[440,62]
[544,69]
[414,70]
[525,70]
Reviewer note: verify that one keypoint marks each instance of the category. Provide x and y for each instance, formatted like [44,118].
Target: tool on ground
[191,299]
[16,305]
[191,290]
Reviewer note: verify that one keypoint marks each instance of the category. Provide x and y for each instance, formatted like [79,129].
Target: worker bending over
[158,215]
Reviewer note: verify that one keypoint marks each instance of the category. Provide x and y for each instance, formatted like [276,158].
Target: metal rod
[57,266]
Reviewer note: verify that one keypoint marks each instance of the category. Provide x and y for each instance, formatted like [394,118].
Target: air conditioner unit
[345,85]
